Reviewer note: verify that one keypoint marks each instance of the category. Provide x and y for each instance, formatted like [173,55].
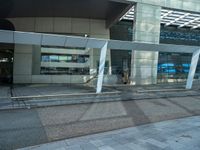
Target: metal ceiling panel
[6,36]
[95,44]
[53,40]
[27,37]
[172,17]
[30,38]
[73,41]
[114,44]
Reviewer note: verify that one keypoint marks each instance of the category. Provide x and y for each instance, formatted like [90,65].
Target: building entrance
[6,63]
[6,55]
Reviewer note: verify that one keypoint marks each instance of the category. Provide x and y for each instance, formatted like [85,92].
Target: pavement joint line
[82,102]
[75,94]
[4,97]
[163,90]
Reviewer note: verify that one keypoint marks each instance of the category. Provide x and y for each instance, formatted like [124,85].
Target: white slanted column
[101,67]
[193,66]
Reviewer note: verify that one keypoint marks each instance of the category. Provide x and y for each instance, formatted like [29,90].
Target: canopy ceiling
[94,9]
[173,17]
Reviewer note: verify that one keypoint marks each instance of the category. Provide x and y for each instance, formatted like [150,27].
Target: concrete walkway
[27,127]
[175,134]
[40,95]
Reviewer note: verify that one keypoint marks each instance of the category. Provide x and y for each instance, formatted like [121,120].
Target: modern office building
[146,21]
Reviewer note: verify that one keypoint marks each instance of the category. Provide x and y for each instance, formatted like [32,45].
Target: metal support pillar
[193,66]
[101,68]
[132,82]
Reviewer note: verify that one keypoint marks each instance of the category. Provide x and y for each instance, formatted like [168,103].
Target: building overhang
[109,10]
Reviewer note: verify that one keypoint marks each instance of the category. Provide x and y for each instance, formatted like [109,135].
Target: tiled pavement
[176,134]
[26,127]
[37,95]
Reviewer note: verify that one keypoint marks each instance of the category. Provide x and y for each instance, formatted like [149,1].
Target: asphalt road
[26,127]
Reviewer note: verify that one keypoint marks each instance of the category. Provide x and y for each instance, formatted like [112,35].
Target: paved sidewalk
[27,127]
[40,95]
[176,134]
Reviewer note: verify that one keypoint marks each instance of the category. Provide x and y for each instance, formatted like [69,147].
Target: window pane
[45,58]
[62,58]
[53,58]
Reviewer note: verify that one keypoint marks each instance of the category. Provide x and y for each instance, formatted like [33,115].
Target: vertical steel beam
[193,66]
[101,67]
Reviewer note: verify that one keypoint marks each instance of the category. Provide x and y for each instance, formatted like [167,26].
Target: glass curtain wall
[174,67]
[69,64]
[121,59]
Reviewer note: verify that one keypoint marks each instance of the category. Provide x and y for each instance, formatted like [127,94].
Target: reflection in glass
[75,58]
[64,58]
[62,71]
[175,66]
[53,58]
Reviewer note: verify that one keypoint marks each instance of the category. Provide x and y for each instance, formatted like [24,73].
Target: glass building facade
[172,67]
[63,62]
